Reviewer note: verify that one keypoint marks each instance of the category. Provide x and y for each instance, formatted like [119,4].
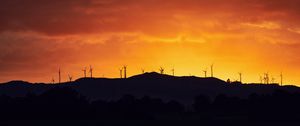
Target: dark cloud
[57,17]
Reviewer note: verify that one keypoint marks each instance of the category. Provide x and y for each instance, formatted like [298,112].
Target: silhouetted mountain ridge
[155,76]
[166,87]
[151,75]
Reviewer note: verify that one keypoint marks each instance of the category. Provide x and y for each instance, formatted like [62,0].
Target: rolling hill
[182,89]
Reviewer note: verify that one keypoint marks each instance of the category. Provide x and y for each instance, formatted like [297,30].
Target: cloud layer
[149,16]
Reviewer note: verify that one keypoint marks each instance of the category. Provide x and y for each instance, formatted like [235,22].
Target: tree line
[66,103]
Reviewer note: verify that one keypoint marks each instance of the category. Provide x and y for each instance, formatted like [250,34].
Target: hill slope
[182,89]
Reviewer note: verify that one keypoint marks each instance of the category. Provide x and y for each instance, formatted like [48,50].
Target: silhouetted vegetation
[279,106]
[65,103]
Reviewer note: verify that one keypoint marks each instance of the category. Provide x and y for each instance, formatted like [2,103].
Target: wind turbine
[91,71]
[121,70]
[240,75]
[161,70]
[261,79]
[205,72]
[266,78]
[212,70]
[173,71]
[281,78]
[53,81]
[70,77]
[59,75]
[272,80]
[143,71]
[125,70]
[84,72]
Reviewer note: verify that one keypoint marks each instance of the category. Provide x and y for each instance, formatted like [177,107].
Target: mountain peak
[148,75]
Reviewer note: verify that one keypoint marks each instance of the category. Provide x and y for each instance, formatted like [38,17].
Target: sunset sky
[249,36]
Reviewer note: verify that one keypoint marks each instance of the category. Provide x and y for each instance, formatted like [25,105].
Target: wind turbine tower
[212,70]
[84,72]
[59,76]
[143,71]
[205,72]
[240,75]
[91,71]
[266,78]
[272,80]
[173,72]
[261,79]
[281,77]
[161,70]
[121,70]
[53,81]
[70,77]
[125,70]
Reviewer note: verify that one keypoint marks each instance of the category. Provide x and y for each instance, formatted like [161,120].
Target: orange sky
[248,36]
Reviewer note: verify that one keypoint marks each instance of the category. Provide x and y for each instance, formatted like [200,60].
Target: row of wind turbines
[265,79]
[70,77]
